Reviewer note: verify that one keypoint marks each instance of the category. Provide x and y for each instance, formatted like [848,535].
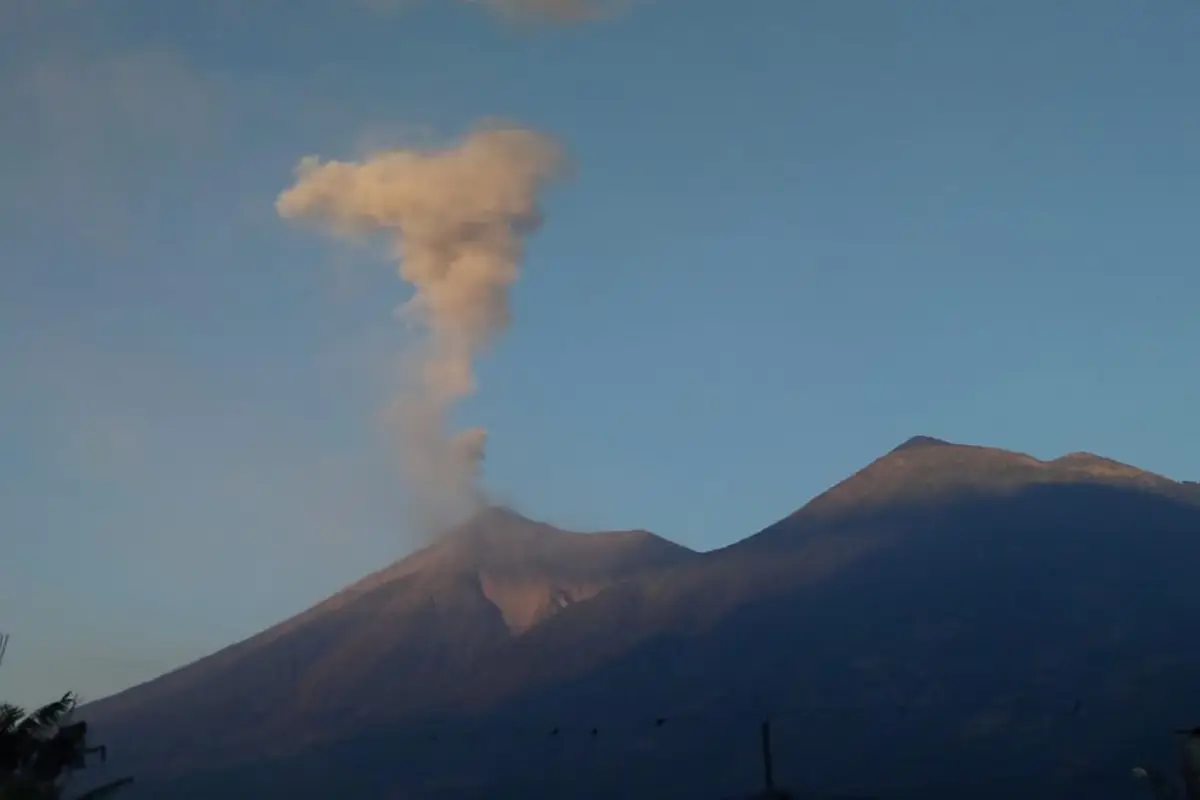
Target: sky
[794,235]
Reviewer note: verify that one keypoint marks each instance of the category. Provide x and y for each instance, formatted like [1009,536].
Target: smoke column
[457,218]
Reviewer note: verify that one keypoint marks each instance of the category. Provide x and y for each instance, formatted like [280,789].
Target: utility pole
[3,645]
[768,767]
[770,792]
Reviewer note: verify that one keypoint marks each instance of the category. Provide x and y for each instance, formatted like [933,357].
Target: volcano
[415,633]
[949,620]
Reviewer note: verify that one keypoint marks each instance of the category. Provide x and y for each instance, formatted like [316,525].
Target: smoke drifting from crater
[457,218]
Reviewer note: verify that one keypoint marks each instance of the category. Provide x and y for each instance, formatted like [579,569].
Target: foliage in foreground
[40,749]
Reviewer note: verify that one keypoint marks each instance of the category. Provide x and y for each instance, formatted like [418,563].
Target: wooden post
[768,770]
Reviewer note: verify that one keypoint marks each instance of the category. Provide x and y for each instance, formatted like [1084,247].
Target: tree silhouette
[40,749]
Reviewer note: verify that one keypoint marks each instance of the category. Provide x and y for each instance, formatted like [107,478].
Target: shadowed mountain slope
[401,642]
[941,616]
[1031,534]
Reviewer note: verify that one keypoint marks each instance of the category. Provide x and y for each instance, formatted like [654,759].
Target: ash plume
[457,218]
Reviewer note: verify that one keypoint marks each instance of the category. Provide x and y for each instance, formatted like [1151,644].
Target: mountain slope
[956,603]
[401,642]
[963,503]
[924,470]
[988,589]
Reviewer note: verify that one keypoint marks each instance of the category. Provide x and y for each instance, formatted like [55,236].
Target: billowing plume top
[457,218]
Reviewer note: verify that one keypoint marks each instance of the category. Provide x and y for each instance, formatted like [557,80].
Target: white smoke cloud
[457,218]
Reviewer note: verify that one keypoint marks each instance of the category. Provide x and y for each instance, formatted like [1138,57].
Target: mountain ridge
[928,469]
[923,563]
[506,547]
[437,610]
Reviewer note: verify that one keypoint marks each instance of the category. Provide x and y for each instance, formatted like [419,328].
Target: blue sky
[798,233]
